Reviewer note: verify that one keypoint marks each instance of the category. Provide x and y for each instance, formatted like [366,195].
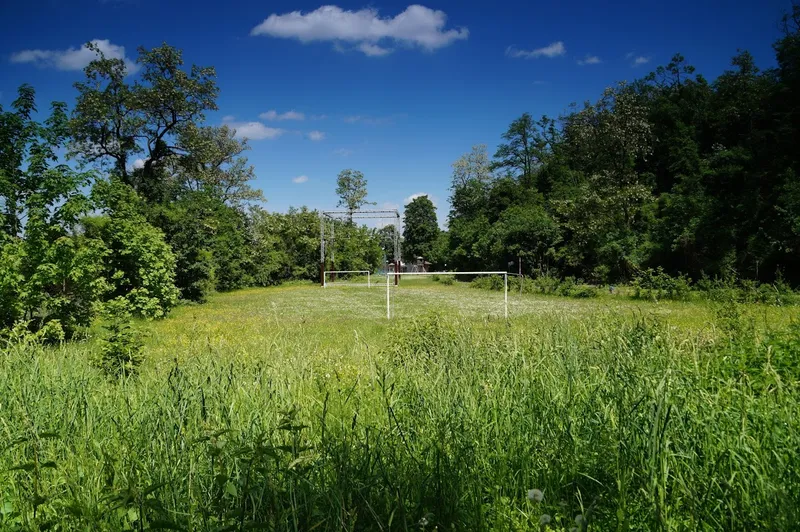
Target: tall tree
[115,120]
[351,187]
[421,229]
[47,271]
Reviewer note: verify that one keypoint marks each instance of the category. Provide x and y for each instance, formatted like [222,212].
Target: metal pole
[388,313]
[368,284]
[322,250]
[506,294]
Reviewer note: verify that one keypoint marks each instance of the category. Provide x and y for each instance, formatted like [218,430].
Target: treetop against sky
[398,91]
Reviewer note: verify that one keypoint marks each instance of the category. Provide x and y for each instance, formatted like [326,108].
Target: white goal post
[388,286]
[345,283]
[327,236]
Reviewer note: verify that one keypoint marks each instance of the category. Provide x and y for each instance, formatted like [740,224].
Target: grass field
[300,408]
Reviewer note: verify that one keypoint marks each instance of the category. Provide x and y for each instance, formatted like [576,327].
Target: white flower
[536,495]
[544,520]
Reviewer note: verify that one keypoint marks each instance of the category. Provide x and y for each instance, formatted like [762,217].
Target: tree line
[157,206]
[671,170]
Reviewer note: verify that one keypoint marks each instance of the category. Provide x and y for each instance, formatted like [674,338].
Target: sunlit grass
[297,407]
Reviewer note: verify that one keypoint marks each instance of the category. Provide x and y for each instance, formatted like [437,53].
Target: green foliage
[120,346]
[140,264]
[114,120]
[47,271]
[421,229]
[285,246]
[351,187]
[669,171]
[656,284]
[435,421]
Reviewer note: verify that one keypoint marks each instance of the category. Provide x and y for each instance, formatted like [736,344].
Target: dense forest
[131,196]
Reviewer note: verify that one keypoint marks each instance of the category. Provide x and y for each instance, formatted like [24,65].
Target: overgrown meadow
[301,408]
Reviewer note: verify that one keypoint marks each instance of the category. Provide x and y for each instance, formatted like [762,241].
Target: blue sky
[395,90]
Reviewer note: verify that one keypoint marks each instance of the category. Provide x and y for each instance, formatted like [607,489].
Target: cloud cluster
[288,115]
[300,179]
[636,60]
[590,60]
[551,50]
[255,130]
[417,26]
[316,135]
[74,58]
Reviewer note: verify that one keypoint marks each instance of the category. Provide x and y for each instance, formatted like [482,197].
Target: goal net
[422,291]
[347,278]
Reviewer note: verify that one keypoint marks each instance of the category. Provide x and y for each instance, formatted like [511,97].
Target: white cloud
[318,117]
[74,58]
[373,50]
[255,130]
[551,50]
[288,115]
[640,60]
[316,135]
[138,163]
[300,179]
[228,118]
[343,152]
[416,26]
[590,60]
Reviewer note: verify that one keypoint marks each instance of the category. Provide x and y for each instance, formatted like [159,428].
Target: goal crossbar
[368,284]
[390,274]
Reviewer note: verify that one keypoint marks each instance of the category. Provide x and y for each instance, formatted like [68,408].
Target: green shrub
[121,346]
[656,284]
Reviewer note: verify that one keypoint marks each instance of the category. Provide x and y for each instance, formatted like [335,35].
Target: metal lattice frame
[334,215]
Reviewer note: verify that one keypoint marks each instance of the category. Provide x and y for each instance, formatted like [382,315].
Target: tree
[48,273]
[114,120]
[214,164]
[527,145]
[421,229]
[140,264]
[351,187]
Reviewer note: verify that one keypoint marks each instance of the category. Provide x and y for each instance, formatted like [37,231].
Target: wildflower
[544,520]
[536,495]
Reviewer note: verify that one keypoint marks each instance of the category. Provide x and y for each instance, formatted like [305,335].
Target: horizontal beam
[446,273]
[347,271]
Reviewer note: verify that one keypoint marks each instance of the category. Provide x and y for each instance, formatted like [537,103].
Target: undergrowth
[603,423]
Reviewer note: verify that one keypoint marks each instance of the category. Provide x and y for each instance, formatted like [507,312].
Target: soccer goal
[346,278]
[389,287]
[330,275]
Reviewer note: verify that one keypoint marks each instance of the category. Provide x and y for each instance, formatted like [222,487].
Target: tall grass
[620,423]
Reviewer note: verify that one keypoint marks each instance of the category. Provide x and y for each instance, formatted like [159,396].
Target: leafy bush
[140,264]
[121,347]
[488,282]
[747,291]
[656,284]
[447,280]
